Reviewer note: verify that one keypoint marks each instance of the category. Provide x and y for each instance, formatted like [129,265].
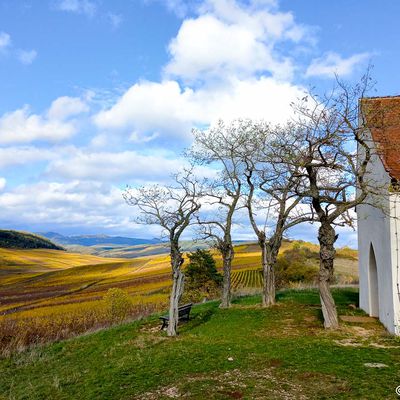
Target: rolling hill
[24,240]
[49,294]
[93,240]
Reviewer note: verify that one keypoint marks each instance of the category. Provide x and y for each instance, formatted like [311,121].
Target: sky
[98,94]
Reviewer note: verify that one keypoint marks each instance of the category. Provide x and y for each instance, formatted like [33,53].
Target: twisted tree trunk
[327,238]
[269,256]
[268,293]
[178,279]
[227,257]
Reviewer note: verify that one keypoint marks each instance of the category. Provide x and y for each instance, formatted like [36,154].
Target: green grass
[277,353]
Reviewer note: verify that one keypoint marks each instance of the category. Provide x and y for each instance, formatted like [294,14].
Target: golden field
[50,294]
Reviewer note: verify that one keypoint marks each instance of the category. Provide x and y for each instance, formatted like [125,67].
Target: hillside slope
[55,278]
[19,264]
[245,352]
[24,240]
[93,240]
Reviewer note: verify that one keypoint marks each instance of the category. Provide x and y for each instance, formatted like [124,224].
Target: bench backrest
[184,310]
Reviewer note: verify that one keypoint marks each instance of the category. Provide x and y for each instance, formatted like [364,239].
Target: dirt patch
[383,346]
[360,331]
[357,319]
[348,343]
[310,318]
[171,392]
[146,340]
[234,384]
[233,395]
[288,321]
[375,365]
[151,328]
[275,362]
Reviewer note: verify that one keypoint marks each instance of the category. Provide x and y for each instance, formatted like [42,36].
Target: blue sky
[97,94]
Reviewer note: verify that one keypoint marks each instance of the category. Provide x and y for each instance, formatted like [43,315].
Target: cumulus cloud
[65,107]
[13,156]
[229,52]
[172,111]
[76,6]
[114,166]
[149,106]
[73,203]
[23,126]
[332,63]
[5,40]
[229,37]
[26,56]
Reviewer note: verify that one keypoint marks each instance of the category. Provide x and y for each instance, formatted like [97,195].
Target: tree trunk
[327,238]
[268,293]
[178,279]
[227,257]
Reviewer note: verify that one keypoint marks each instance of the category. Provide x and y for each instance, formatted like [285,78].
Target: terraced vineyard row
[247,279]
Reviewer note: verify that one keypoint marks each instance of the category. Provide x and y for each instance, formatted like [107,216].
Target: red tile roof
[382,117]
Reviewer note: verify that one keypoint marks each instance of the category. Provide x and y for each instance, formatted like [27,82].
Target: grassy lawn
[244,352]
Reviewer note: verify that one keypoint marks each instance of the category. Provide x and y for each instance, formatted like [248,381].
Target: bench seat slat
[183,314]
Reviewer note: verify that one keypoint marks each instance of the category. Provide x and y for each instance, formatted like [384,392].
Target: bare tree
[271,189]
[216,147]
[171,207]
[218,229]
[334,174]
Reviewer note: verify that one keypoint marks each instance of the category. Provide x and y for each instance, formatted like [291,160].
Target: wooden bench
[183,315]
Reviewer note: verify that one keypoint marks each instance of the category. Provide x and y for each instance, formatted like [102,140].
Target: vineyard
[47,295]
[243,279]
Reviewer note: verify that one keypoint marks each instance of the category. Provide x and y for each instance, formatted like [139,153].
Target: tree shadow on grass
[345,297]
[299,296]
[198,319]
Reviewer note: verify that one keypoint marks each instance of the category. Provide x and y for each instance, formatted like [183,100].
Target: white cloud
[22,126]
[5,40]
[230,38]
[3,183]
[149,106]
[138,137]
[77,6]
[114,166]
[332,63]
[26,56]
[179,7]
[73,203]
[11,156]
[170,111]
[65,107]
[230,51]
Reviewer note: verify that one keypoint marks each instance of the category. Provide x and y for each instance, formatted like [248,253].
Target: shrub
[203,281]
[298,264]
[118,303]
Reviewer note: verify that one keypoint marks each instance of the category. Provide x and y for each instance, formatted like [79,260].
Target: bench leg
[164,324]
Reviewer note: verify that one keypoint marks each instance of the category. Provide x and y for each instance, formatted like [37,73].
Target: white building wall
[377,227]
[395,251]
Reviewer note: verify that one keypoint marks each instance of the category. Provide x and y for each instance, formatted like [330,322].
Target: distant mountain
[93,240]
[25,240]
